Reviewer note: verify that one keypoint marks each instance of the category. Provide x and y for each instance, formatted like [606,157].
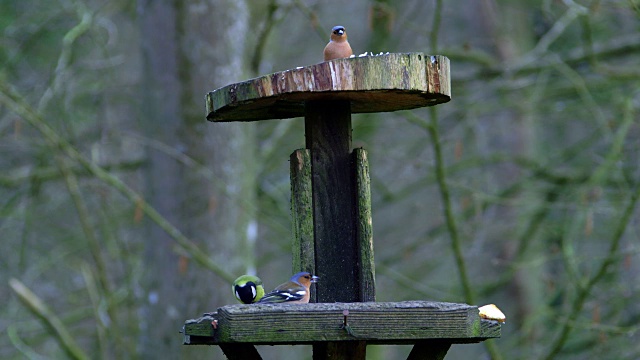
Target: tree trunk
[205,181]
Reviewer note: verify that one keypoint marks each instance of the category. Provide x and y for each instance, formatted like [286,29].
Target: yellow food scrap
[491,312]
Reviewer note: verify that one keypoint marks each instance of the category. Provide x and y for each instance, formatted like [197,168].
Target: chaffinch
[296,290]
[248,289]
[338,46]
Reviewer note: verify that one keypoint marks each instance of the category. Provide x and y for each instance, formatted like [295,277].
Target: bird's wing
[284,294]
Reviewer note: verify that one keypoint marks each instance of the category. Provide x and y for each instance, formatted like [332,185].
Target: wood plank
[302,214]
[364,226]
[390,82]
[201,331]
[405,322]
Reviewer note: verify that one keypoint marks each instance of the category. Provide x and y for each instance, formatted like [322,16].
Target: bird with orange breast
[338,47]
[296,290]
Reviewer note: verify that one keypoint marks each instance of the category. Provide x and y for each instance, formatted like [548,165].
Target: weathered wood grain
[405,322]
[328,137]
[390,82]
[338,350]
[364,226]
[302,213]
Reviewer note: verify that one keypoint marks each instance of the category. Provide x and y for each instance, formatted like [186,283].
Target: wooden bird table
[331,209]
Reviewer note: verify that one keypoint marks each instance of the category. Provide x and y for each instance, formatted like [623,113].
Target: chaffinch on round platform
[296,290]
[338,46]
[248,289]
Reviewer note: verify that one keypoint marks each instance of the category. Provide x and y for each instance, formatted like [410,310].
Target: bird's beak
[314,279]
[340,32]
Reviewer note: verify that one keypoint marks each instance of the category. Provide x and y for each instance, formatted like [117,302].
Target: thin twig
[64,60]
[447,206]
[37,307]
[584,288]
[83,215]
[103,285]
[635,6]
[263,34]
[21,346]
[313,19]
[94,295]
[574,11]
[16,103]
[435,29]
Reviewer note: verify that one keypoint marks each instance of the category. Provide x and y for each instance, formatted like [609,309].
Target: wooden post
[429,350]
[302,214]
[303,222]
[364,226]
[240,352]
[328,137]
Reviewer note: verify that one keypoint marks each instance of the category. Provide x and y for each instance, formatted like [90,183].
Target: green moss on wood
[302,211]
[364,226]
[390,82]
[376,323]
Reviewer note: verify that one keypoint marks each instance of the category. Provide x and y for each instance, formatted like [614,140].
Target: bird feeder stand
[331,209]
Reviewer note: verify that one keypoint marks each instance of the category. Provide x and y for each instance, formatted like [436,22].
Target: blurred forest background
[123,212]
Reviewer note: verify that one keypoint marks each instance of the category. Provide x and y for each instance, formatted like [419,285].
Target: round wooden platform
[379,83]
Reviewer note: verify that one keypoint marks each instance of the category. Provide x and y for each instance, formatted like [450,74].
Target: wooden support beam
[302,213]
[240,352]
[328,137]
[429,350]
[364,226]
[340,350]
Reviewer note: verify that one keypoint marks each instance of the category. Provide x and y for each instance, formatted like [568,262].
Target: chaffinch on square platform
[248,289]
[294,291]
[338,46]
